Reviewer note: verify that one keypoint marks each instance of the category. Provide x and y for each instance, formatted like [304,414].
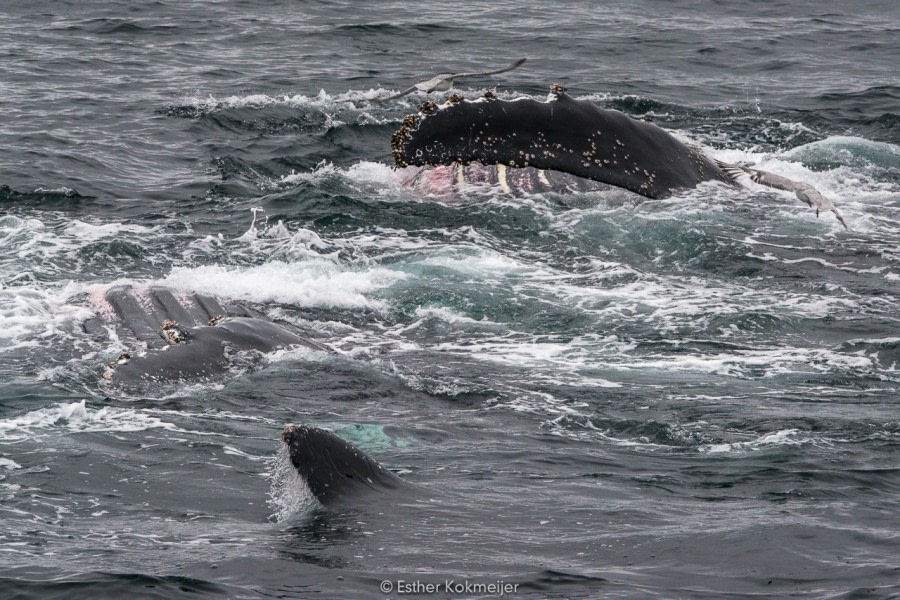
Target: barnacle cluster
[557,88]
[172,333]
[111,366]
[401,136]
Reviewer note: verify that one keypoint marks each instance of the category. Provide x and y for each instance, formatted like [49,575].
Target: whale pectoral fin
[804,191]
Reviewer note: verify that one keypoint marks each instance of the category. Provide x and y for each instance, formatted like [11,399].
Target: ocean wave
[78,417]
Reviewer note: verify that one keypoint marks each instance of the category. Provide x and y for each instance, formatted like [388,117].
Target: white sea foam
[481,262]
[9,464]
[298,353]
[355,100]
[451,316]
[78,417]
[363,172]
[60,190]
[32,251]
[323,100]
[850,150]
[310,283]
[784,437]
[43,242]
[87,232]
[767,361]
[665,303]
[288,495]
[31,314]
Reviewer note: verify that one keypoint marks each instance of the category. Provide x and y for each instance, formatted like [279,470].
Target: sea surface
[596,395]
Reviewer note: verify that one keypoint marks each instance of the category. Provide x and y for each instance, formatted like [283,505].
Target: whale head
[334,470]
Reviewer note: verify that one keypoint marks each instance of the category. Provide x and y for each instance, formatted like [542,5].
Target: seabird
[444,81]
[804,191]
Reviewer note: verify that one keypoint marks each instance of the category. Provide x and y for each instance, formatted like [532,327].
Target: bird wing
[431,84]
[444,80]
[515,65]
[802,190]
[397,95]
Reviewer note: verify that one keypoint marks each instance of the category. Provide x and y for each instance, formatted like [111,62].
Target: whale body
[559,134]
[527,145]
[335,471]
[182,338]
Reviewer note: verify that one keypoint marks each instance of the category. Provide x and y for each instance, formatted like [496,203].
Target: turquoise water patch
[369,437]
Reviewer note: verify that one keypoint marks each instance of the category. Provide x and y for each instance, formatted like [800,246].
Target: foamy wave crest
[9,464]
[322,101]
[29,315]
[318,282]
[482,262]
[92,232]
[768,362]
[53,245]
[78,417]
[782,438]
[849,150]
[364,172]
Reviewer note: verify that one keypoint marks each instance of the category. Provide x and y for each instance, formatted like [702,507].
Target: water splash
[288,495]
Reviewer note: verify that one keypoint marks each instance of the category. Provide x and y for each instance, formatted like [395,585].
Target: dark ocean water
[597,395]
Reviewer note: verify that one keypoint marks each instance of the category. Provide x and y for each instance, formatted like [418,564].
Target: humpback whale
[562,134]
[334,470]
[189,338]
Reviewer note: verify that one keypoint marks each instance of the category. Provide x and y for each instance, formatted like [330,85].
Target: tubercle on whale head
[556,90]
